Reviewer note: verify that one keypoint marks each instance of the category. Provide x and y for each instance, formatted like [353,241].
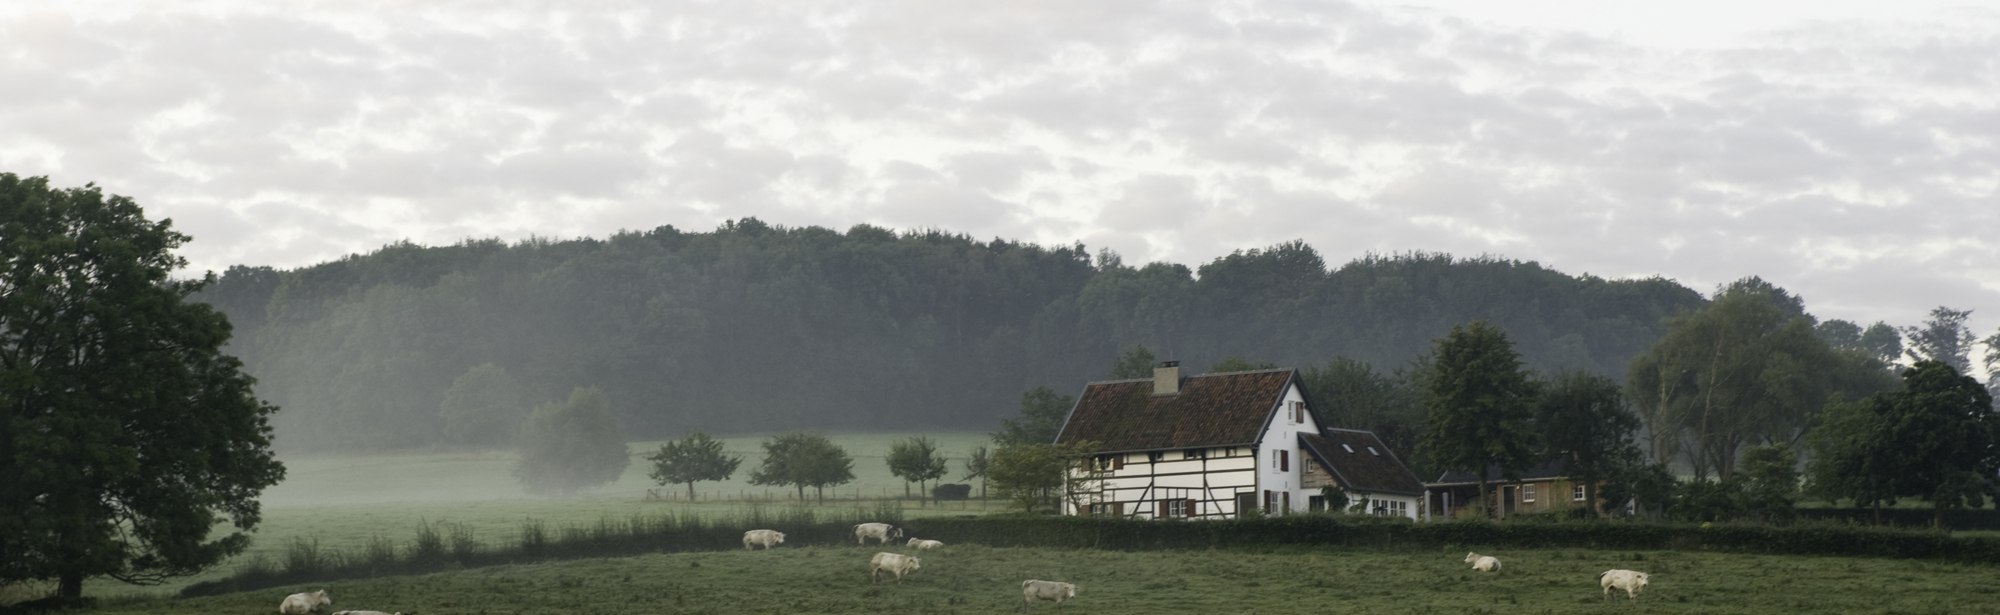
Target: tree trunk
[802,493]
[69,589]
[1486,499]
[690,491]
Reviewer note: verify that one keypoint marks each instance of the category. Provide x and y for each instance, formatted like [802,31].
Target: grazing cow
[892,562]
[1630,581]
[301,604]
[879,531]
[1032,590]
[925,544]
[763,537]
[1482,563]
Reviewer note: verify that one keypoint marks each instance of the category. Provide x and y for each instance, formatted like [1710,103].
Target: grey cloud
[1174,130]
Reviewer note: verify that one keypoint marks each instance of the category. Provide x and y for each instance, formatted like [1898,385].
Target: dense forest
[759,328]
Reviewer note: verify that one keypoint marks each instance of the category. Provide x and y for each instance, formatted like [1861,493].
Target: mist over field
[754,327]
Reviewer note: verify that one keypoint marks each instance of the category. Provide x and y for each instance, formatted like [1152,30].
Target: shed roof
[1210,410]
[1346,453]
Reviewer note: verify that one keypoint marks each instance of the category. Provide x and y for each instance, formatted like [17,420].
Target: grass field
[975,579]
[345,501]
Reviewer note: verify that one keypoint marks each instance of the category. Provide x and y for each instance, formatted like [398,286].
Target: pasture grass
[978,579]
[361,505]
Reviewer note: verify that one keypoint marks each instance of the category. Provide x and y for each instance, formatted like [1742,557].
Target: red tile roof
[1210,410]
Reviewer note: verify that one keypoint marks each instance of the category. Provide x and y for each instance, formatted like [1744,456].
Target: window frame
[1527,492]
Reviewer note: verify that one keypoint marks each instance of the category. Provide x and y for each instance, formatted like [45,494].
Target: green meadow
[977,579]
[343,502]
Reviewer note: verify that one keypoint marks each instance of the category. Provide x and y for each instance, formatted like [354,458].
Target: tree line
[753,327]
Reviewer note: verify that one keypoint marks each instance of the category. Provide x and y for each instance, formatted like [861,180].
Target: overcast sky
[1847,153]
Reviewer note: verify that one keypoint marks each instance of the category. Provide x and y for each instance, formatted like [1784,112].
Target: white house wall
[1213,482]
[1282,434]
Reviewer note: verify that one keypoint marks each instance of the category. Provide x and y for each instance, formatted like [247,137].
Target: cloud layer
[1852,163]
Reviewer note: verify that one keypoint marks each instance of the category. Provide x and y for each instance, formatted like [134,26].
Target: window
[1527,493]
[1371,451]
[1392,508]
[1177,508]
[1576,492]
[1349,448]
[1284,460]
[1193,453]
[1155,457]
[1298,412]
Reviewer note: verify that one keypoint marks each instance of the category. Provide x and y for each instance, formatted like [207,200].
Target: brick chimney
[1167,378]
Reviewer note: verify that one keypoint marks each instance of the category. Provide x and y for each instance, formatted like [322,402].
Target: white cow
[1032,590]
[879,531]
[1482,563]
[925,544]
[767,538]
[301,604]
[892,562]
[1631,581]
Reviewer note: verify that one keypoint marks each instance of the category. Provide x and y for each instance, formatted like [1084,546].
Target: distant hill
[755,327]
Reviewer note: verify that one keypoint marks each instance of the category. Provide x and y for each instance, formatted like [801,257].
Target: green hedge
[1956,519]
[1801,539]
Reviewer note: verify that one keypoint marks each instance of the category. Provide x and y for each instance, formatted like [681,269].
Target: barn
[1217,446]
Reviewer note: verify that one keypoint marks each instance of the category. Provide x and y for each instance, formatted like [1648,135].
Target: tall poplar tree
[126,436]
[1481,407]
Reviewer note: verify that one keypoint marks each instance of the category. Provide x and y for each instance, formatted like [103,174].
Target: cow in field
[301,604]
[1632,582]
[892,562]
[1482,563]
[766,538]
[879,531]
[925,544]
[1032,590]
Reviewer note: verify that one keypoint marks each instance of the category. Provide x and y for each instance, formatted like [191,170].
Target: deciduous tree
[1584,424]
[803,459]
[1040,419]
[1136,362]
[976,466]
[1944,338]
[1481,406]
[127,438]
[696,457]
[1745,368]
[1936,439]
[482,408]
[916,460]
[572,445]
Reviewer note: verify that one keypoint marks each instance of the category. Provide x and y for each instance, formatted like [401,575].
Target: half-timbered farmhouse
[1216,445]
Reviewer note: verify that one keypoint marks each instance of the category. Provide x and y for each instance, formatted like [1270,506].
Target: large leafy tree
[126,436]
[1136,362]
[572,445]
[694,458]
[1879,341]
[803,459]
[1936,439]
[1353,395]
[1584,423]
[482,408]
[1040,419]
[1481,406]
[1745,368]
